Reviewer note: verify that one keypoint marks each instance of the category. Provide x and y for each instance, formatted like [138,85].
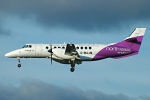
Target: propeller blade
[50,50]
[51,59]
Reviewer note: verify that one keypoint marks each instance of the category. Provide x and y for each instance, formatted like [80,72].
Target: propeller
[50,51]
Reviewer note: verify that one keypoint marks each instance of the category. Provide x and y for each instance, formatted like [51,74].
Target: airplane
[77,53]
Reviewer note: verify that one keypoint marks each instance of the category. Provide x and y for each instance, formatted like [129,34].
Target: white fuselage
[76,53]
[86,51]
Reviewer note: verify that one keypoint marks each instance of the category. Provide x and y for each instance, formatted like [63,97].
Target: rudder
[135,39]
[133,42]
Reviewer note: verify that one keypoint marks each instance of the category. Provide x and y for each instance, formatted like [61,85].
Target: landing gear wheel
[72,69]
[19,65]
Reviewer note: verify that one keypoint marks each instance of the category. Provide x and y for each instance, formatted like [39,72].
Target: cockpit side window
[27,46]
[24,46]
[30,46]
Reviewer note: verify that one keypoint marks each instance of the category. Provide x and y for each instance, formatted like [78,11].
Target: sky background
[73,21]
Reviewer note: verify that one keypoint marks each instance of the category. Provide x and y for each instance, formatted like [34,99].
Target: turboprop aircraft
[77,53]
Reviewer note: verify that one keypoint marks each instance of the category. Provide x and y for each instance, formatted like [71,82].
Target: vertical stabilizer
[135,39]
[133,42]
[137,32]
[128,47]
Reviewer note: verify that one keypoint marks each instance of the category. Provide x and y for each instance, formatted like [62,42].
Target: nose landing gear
[19,65]
[72,67]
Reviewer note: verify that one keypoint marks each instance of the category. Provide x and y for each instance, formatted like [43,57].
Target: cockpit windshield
[27,46]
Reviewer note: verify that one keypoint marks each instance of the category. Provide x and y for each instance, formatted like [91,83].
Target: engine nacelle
[60,53]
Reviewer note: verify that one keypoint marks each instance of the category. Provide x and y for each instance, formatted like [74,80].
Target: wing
[71,51]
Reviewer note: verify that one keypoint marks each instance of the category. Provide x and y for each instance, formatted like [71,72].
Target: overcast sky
[78,21]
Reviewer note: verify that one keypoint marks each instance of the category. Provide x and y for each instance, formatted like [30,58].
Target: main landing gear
[72,67]
[19,65]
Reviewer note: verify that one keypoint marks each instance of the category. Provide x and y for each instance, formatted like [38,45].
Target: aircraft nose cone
[7,55]
[12,54]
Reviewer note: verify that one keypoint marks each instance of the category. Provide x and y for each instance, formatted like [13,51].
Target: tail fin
[135,39]
[133,42]
[128,47]
[137,32]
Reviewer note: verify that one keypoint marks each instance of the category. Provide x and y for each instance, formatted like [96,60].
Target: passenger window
[90,47]
[63,47]
[55,47]
[81,47]
[77,48]
[85,47]
[46,47]
[58,47]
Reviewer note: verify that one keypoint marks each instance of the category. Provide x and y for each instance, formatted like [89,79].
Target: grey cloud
[35,90]
[79,14]
[4,32]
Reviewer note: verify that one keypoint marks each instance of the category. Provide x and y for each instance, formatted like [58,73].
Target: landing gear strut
[19,65]
[72,67]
